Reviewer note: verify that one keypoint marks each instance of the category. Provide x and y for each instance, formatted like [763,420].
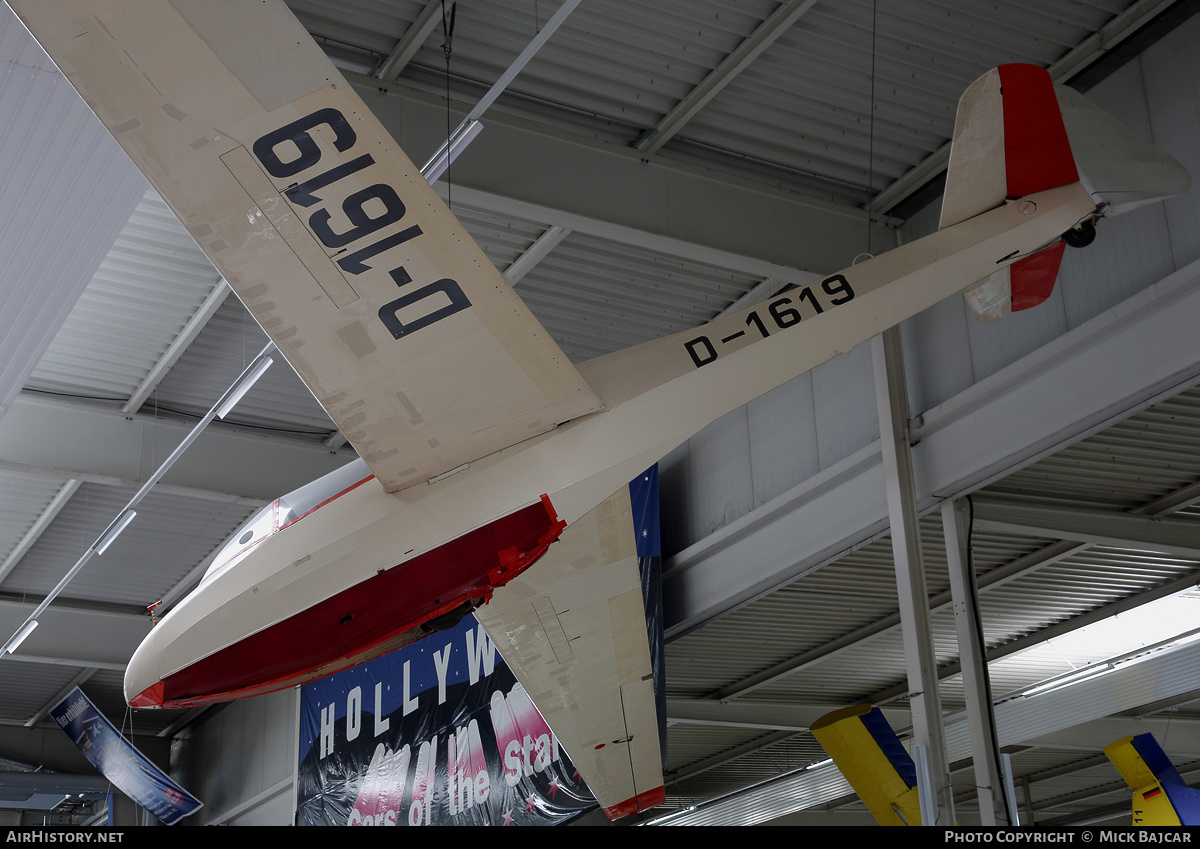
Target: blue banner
[441,733]
[129,770]
[436,733]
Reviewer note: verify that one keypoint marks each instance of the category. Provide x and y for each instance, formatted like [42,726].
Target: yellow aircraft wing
[404,331]
[870,756]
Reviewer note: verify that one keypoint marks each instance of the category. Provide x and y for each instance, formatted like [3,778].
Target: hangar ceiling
[655,165]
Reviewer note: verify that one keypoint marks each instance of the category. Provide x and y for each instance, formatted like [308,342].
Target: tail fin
[1016,134]
[1159,795]
[1009,141]
[874,761]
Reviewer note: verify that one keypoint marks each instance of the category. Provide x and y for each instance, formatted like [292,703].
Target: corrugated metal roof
[51,148]
[800,116]
[226,346]
[171,534]
[595,296]
[23,497]
[148,286]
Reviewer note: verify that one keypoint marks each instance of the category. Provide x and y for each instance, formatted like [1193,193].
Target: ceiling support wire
[219,410]
[447,50]
[458,140]
[871,123]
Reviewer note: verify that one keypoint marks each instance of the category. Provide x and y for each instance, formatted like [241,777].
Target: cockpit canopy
[285,511]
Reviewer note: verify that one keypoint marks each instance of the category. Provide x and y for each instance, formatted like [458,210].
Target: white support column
[924,701]
[985,754]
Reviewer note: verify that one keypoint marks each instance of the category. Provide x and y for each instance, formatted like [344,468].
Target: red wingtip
[641,802]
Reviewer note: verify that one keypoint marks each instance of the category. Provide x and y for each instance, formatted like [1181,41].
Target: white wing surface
[573,630]
[404,331]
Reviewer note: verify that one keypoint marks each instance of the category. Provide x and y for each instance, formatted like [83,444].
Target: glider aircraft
[489,462]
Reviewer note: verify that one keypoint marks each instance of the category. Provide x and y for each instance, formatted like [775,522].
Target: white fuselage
[657,394]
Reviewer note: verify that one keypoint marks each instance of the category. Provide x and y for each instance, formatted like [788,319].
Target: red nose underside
[380,614]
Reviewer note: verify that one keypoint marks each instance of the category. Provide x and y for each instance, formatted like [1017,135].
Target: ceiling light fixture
[240,387]
[20,636]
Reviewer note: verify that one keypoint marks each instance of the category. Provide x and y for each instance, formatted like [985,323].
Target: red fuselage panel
[368,619]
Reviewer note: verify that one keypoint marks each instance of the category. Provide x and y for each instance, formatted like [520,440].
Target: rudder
[1017,134]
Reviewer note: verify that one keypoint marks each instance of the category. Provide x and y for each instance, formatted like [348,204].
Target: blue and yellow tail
[874,761]
[1160,796]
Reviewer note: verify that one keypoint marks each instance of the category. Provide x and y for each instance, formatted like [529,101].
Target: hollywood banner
[441,733]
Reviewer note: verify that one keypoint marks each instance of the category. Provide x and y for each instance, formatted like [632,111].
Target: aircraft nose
[151,697]
[143,688]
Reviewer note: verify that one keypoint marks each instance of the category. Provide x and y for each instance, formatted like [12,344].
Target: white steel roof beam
[57,641]
[535,253]
[1004,574]
[186,336]
[775,716]
[524,161]
[1066,626]
[93,444]
[999,576]
[39,526]
[1174,537]
[732,65]
[411,42]
[1160,677]
[622,234]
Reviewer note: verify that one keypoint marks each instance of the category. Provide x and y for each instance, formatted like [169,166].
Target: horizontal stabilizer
[1160,796]
[1119,168]
[1024,284]
[872,758]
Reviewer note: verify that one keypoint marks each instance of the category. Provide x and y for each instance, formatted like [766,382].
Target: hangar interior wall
[810,437]
[240,760]
[808,440]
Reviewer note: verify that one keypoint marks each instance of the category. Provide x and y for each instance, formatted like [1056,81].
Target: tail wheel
[1081,235]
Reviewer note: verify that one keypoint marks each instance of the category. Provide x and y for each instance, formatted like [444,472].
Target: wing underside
[404,331]
[573,631]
